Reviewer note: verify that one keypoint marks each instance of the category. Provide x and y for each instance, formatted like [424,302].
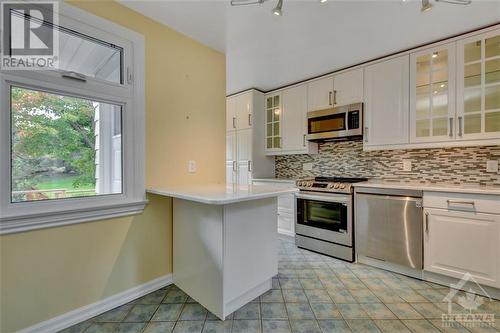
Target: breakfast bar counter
[225,244]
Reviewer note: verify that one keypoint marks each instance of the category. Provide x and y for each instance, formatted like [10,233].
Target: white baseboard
[88,311]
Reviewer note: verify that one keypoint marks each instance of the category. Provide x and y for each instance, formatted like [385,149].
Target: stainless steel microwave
[339,123]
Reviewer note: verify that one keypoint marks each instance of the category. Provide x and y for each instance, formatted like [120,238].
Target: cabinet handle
[366,134]
[330,98]
[460,126]
[234,122]
[304,140]
[250,166]
[459,202]
[234,166]
[451,127]
[249,119]
[335,97]
[426,222]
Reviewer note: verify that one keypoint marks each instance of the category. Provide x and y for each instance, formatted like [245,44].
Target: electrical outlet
[406,165]
[492,166]
[307,166]
[192,166]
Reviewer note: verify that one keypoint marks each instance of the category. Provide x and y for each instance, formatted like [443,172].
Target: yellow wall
[48,272]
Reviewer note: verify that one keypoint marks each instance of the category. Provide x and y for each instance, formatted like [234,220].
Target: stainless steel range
[324,221]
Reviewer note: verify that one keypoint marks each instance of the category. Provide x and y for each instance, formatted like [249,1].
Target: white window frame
[24,216]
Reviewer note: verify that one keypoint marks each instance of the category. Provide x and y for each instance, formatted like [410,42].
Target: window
[63,146]
[71,138]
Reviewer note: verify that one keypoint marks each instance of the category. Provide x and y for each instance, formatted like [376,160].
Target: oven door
[325,216]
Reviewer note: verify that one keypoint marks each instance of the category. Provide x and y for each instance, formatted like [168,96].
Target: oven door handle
[326,198]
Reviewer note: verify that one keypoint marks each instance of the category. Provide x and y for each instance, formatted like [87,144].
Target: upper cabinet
[478,86]
[231,106]
[348,87]
[244,111]
[320,94]
[273,115]
[337,90]
[286,122]
[432,94]
[386,103]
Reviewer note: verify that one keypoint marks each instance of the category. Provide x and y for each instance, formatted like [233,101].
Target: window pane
[64,147]
[423,102]
[472,100]
[423,128]
[492,46]
[492,122]
[492,71]
[439,126]
[472,75]
[472,51]
[492,98]
[82,54]
[472,124]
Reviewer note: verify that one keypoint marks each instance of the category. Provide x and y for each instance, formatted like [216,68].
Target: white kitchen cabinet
[294,122]
[231,107]
[456,243]
[386,86]
[348,87]
[245,157]
[286,205]
[478,86]
[231,157]
[432,95]
[244,111]
[320,94]
[273,115]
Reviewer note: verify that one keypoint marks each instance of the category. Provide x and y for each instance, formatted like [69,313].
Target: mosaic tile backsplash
[465,165]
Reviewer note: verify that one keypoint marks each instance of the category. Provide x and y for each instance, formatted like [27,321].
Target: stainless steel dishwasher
[389,225]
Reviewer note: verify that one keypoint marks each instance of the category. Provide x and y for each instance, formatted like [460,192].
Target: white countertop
[432,187]
[221,194]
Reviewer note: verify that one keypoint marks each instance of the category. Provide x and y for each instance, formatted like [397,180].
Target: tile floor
[312,293]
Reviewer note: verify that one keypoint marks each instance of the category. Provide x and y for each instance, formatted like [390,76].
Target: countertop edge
[205,200]
[432,188]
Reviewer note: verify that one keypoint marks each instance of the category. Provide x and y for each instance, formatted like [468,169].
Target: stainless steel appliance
[325,216]
[339,123]
[389,225]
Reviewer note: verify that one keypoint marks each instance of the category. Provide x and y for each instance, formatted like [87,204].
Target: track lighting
[426,5]
[278,10]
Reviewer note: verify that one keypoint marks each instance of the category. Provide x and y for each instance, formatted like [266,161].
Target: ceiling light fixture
[278,10]
[456,2]
[426,5]
[323,1]
[434,55]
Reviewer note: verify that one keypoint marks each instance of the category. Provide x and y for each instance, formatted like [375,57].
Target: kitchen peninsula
[224,242]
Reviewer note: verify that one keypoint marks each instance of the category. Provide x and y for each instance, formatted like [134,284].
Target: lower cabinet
[460,242]
[286,206]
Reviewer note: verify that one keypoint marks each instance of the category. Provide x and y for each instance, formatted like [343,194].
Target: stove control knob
[330,185]
[309,184]
[336,186]
[342,186]
[299,183]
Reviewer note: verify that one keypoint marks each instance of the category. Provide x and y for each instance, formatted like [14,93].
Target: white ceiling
[265,51]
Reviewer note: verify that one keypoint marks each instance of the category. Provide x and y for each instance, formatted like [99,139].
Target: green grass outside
[62,182]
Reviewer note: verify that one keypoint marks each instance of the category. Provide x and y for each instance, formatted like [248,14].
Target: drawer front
[478,203]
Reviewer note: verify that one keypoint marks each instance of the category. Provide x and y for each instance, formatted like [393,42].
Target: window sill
[23,223]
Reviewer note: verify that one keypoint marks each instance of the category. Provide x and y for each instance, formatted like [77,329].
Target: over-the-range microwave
[338,123]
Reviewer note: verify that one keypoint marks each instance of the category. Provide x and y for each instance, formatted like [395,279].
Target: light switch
[492,166]
[406,165]
[307,166]
[192,166]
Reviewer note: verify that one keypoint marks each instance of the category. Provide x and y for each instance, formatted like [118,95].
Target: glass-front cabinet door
[478,91]
[432,94]
[274,115]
